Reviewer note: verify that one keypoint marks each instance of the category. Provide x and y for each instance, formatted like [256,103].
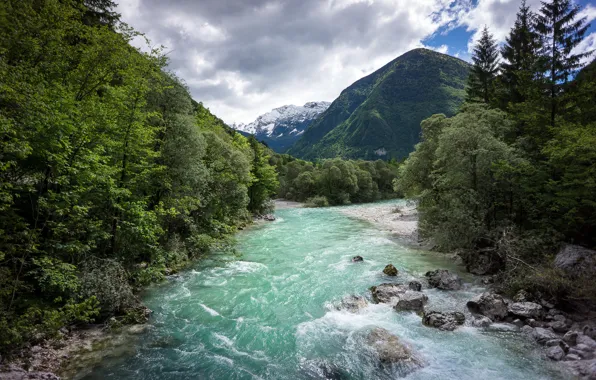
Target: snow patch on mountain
[283,121]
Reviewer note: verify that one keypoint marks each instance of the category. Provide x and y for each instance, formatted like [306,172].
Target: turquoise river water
[267,312]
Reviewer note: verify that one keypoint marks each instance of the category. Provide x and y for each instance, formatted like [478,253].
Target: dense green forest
[334,181]
[513,173]
[111,176]
[379,115]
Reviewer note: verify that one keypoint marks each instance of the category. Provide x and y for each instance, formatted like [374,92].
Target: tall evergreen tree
[520,53]
[561,31]
[485,69]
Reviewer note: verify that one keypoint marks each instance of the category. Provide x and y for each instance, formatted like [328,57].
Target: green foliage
[481,82]
[338,181]
[317,201]
[110,174]
[510,185]
[379,115]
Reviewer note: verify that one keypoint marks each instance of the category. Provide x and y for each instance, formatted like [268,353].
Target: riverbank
[400,220]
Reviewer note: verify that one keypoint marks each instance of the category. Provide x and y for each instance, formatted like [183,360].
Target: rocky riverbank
[399,220]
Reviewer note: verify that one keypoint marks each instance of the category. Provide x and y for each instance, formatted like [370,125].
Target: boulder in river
[447,321]
[411,300]
[353,303]
[542,335]
[388,293]
[391,350]
[555,353]
[357,259]
[390,270]
[490,305]
[481,321]
[415,285]
[526,310]
[443,279]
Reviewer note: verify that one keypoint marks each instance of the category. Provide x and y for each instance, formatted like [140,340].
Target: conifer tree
[561,31]
[484,70]
[520,54]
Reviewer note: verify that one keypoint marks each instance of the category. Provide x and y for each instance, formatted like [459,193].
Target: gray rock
[415,285]
[390,270]
[490,305]
[13,372]
[528,330]
[481,321]
[518,322]
[447,321]
[589,331]
[576,261]
[391,350]
[584,354]
[411,300]
[357,259]
[526,310]
[542,335]
[555,353]
[584,339]
[443,279]
[388,293]
[571,357]
[353,303]
[570,338]
[585,369]
[558,326]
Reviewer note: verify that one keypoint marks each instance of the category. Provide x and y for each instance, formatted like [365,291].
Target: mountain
[379,115]
[283,126]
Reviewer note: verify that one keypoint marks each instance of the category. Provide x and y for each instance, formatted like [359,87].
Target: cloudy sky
[242,58]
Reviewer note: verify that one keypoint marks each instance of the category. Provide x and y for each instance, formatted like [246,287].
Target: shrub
[107,280]
[318,201]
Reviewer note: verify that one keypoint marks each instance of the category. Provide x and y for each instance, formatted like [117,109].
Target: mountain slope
[283,126]
[379,115]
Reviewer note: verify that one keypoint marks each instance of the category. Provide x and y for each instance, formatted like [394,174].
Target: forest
[111,176]
[512,175]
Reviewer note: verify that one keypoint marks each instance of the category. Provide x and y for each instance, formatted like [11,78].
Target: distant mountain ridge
[379,115]
[283,126]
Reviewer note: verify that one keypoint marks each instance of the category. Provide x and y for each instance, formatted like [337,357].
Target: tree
[561,31]
[485,69]
[520,54]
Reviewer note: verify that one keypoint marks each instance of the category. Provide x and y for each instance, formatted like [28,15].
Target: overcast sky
[242,58]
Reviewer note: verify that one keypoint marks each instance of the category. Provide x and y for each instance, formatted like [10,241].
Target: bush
[318,201]
[107,280]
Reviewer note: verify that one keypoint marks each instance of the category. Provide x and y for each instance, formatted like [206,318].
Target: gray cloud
[245,57]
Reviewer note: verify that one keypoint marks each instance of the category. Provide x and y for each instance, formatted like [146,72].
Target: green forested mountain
[379,115]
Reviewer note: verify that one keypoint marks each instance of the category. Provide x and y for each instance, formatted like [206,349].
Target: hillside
[379,115]
[282,127]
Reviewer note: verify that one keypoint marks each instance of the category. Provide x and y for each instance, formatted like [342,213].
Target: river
[267,312]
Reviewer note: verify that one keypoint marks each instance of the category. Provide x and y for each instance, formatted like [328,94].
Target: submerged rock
[390,270]
[447,321]
[585,369]
[392,351]
[443,279]
[526,310]
[353,303]
[357,259]
[490,305]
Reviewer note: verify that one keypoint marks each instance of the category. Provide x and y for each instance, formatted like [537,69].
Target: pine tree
[520,54]
[561,31]
[484,70]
